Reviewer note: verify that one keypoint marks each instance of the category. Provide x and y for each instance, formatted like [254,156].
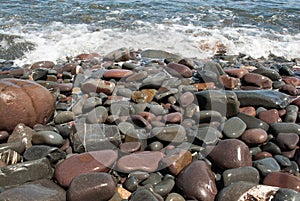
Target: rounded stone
[156,146]
[286,194]
[247,174]
[48,138]
[178,161]
[287,141]
[230,153]
[130,147]
[97,115]
[64,117]
[270,116]
[42,64]
[283,161]
[174,117]
[249,110]
[39,151]
[266,165]
[201,182]
[24,101]
[143,194]
[186,99]
[236,72]
[258,80]
[93,186]
[179,70]
[91,103]
[164,187]
[98,86]
[175,197]
[254,136]
[234,127]
[94,161]
[282,180]
[117,73]
[170,133]
[131,183]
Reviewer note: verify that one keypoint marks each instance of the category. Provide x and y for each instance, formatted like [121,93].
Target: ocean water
[191,28]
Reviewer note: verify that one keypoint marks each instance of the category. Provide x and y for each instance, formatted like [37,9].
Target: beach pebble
[170,133]
[179,70]
[175,197]
[282,180]
[254,136]
[247,174]
[286,194]
[270,116]
[48,138]
[39,151]
[236,72]
[234,127]
[266,165]
[98,86]
[116,73]
[64,117]
[287,141]
[42,64]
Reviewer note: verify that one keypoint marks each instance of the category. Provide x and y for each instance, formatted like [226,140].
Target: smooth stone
[16,146]
[116,73]
[20,173]
[175,197]
[263,98]
[287,141]
[261,155]
[179,70]
[139,122]
[145,161]
[178,161]
[234,191]
[286,195]
[165,94]
[39,190]
[122,108]
[278,84]
[247,174]
[3,136]
[270,73]
[124,127]
[39,151]
[94,161]
[158,54]
[156,146]
[236,72]
[283,161]
[153,179]
[257,80]
[23,134]
[186,99]
[270,116]
[234,127]
[253,122]
[229,82]
[207,76]
[42,64]
[174,117]
[249,110]
[64,117]
[164,187]
[283,127]
[137,76]
[97,86]
[121,54]
[271,148]
[224,102]
[291,113]
[254,136]
[187,62]
[230,153]
[208,116]
[143,194]
[286,70]
[131,183]
[47,137]
[293,168]
[91,103]
[97,115]
[206,136]
[24,101]
[266,165]
[282,180]
[201,182]
[95,186]
[289,89]
[125,92]
[93,137]
[140,175]
[143,96]
[155,80]
[130,147]
[170,133]
[214,67]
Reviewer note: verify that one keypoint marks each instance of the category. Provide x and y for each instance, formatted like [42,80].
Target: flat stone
[270,73]
[42,64]
[234,127]
[130,147]
[206,136]
[270,116]
[48,138]
[247,174]
[158,54]
[261,155]
[234,191]
[286,194]
[263,98]
[258,80]
[117,73]
[97,115]
[266,165]
[291,113]
[253,122]
[95,186]
[282,180]
[144,161]
[97,86]
[254,136]
[230,153]
[283,127]
[236,72]
[137,76]
[201,182]
[143,194]
[39,151]
[23,134]
[186,99]
[283,161]
[121,54]
[20,173]
[39,190]
[143,96]
[178,161]
[154,80]
[287,141]
[179,70]
[170,133]
[94,161]
[91,103]
[64,117]
[16,146]
[271,148]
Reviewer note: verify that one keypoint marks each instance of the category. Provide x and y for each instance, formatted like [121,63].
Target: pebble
[253,122]
[121,54]
[179,70]
[174,197]
[98,86]
[201,182]
[178,161]
[270,116]
[271,148]
[39,151]
[236,72]
[254,136]
[282,180]
[117,73]
[131,183]
[164,187]
[170,133]
[24,101]
[95,186]
[64,117]
[287,141]
[186,99]
[23,134]
[261,81]
[95,161]
[286,194]
[266,165]
[97,115]
[42,64]
[247,174]
[283,161]
[47,137]
[270,73]
[234,127]
[283,127]
[143,194]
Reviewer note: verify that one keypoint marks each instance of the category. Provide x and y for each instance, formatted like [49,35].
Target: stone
[213,67]
[266,165]
[225,102]
[178,161]
[135,77]
[179,70]
[283,127]
[186,99]
[270,116]
[94,161]
[271,148]
[229,82]
[24,101]
[3,136]
[249,110]
[205,76]
[270,73]
[39,190]
[42,64]
[158,54]
[20,173]
[10,157]
[236,72]
[16,146]
[130,147]
[283,161]
[254,136]
[156,146]
[170,133]
[263,98]
[131,183]
[287,141]
[95,186]
[121,54]
[291,113]
[154,80]
[286,194]
[117,73]
[230,153]
[201,182]
[253,122]
[261,155]
[39,151]
[48,138]
[247,174]
[153,179]
[97,115]
[64,117]
[289,89]
[234,127]
[97,86]
[234,191]
[144,161]
[282,180]
[174,117]
[143,194]
[255,79]
[175,197]
[164,187]
[91,103]
[206,135]
[23,134]
[143,96]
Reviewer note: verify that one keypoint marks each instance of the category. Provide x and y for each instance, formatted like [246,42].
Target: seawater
[191,28]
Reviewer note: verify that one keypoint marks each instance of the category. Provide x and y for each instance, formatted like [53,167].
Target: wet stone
[175,117]
[131,183]
[277,128]
[234,191]
[286,194]
[3,136]
[130,147]
[170,133]
[271,148]
[247,174]
[175,197]
[291,113]
[39,190]
[270,73]
[97,86]
[178,161]
[206,136]
[254,136]
[153,179]
[236,72]
[282,180]
[156,146]
[287,141]
[23,134]
[253,122]
[91,103]
[143,194]
[95,161]
[270,116]
[116,73]
[229,82]
[39,151]
[97,115]
[64,117]
[283,161]
[121,54]
[10,157]
[16,146]
[164,187]
[234,127]
[186,99]
[266,165]
[93,186]
[48,138]
[179,70]
[261,155]
[201,185]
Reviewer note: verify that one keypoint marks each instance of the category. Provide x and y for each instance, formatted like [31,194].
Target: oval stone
[94,161]
[287,141]
[98,86]
[254,136]
[270,116]
[179,70]
[47,137]
[234,127]
[171,133]
[24,101]
[258,80]
[117,73]
[282,180]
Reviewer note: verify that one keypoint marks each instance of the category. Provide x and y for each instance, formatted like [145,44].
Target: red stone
[42,64]
[262,155]
[178,161]
[270,116]
[258,80]
[254,136]
[117,73]
[236,72]
[248,110]
[229,82]
[179,70]
[175,117]
[282,180]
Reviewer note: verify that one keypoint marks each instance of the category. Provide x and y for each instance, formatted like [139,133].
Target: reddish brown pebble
[282,112]
[236,72]
[86,57]
[205,86]
[130,147]
[287,141]
[229,82]
[248,110]
[186,99]
[254,136]
[177,162]
[98,86]
[117,73]
[143,96]
[230,153]
[262,155]
[290,89]
[179,70]
[175,117]
[42,64]
[282,180]
[270,116]
[24,101]
[291,80]
[258,80]
[95,161]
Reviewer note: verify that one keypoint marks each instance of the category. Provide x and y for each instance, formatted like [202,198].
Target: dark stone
[253,122]
[234,191]
[284,128]
[164,187]
[170,133]
[270,73]
[39,151]
[286,195]
[131,183]
[144,195]
[247,174]
[271,148]
[266,165]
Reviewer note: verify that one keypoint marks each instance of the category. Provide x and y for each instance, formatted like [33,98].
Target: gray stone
[234,191]
[175,197]
[234,127]
[97,115]
[206,136]
[253,122]
[121,54]
[283,161]
[164,187]
[91,103]
[266,165]
[39,151]
[277,128]
[158,54]
[246,174]
[270,73]
[48,138]
[170,133]
[285,194]
[64,117]
[291,113]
